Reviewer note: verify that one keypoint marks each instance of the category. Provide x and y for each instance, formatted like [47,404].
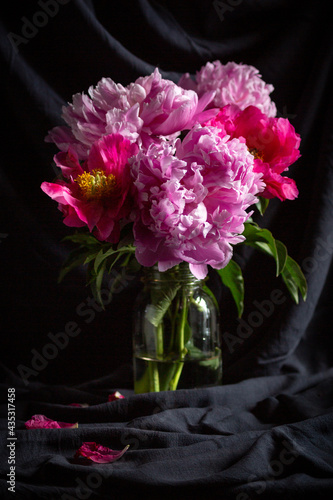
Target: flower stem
[181,342]
[154,379]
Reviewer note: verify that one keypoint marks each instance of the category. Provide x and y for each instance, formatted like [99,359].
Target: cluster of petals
[96,193]
[122,161]
[143,111]
[273,141]
[233,83]
[89,450]
[192,200]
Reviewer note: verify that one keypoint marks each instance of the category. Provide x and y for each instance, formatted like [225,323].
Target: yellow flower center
[256,153]
[95,185]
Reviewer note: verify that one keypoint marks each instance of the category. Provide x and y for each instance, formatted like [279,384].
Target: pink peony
[192,201]
[234,84]
[98,453]
[142,111]
[42,422]
[98,192]
[273,142]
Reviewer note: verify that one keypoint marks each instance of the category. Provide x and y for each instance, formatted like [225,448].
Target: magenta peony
[233,84]
[273,142]
[192,200]
[98,192]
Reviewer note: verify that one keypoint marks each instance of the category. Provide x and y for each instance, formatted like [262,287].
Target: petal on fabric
[98,453]
[114,396]
[43,422]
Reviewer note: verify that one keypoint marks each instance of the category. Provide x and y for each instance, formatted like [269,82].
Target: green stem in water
[154,379]
[181,342]
[173,321]
[159,340]
[153,365]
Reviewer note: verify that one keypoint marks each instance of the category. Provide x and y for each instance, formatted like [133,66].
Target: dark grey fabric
[267,432]
[269,437]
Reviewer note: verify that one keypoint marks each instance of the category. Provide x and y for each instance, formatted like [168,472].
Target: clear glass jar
[176,336]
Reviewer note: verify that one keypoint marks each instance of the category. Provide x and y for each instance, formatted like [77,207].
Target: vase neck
[180,273]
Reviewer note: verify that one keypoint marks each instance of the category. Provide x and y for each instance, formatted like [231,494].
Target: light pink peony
[192,201]
[98,192]
[273,142]
[233,83]
[144,110]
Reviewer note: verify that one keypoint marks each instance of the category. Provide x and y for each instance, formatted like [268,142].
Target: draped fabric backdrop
[268,430]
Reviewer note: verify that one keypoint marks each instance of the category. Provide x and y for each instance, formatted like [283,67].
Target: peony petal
[42,422]
[98,453]
[114,396]
[200,271]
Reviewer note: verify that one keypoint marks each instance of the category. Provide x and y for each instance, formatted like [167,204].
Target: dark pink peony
[272,141]
[98,192]
[192,201]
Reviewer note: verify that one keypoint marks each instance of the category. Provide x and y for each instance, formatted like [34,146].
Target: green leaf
[86,239]
[232,277]
[262,239]
[99,259]
[211,295]
[282,255]
[291,273]
[187,332]
[90,257]
[155,313]
[96,284]
[213,363]
[111,252]
[294,279]
[75,258]
[262,205]
[70,266]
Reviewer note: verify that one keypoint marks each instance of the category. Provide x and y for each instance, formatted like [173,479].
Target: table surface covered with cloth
[267,431]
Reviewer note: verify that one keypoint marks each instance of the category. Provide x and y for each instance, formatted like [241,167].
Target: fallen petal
[115,395]
[42,422]
[98,453]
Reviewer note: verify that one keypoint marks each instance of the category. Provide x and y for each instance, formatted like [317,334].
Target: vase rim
[180,272]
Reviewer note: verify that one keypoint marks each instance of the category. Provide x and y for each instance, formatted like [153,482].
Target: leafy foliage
[286,267]
[100,258]
[232,277]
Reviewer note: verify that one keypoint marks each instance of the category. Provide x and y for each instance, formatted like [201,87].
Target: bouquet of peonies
[161,173]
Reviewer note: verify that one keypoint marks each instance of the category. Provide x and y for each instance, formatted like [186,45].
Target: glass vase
[176,337]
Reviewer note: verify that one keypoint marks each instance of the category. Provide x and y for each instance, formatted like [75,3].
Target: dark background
[267,432]
[81,42]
